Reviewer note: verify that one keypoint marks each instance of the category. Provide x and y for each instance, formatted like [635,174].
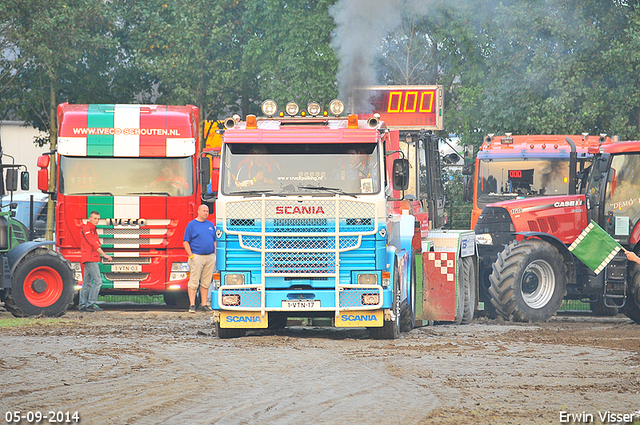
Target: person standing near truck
[90,257]
[200,244]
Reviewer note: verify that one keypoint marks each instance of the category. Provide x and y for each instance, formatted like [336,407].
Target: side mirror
[43,180]
[400,174]
[603,162]
[12,179]
[204,173]
[467,191]
[468,169]
[24,180]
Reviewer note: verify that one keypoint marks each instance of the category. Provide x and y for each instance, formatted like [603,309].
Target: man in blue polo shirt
[200,244]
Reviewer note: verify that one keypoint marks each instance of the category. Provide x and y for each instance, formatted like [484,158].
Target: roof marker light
[353,121]
[292,109]
[336,107]
[314,109]
[269,107]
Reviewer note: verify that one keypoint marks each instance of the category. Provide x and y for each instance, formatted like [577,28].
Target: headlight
[180,267]
[484,239]
[292,108]
[234,279]
[367,279]
[269,107]
[77,271]
[314,109]
[336,107]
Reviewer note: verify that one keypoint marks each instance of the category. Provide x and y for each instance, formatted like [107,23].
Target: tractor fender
[18,253]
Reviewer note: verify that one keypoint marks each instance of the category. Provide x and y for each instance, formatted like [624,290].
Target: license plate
[126,268]
[300,304]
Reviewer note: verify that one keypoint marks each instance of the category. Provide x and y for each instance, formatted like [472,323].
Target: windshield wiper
[90,193]
[254,192]
[149,193]
[335,190]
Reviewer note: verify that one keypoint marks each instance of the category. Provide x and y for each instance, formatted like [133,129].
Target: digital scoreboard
[407,107]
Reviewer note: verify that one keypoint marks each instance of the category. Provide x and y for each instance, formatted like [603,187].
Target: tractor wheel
[408,306]
[484,284]
[632,306]
[461,291]
[528,281]
[176,299]
[599,309]
[43,283]
[391,329]
[468,279]
[225,333]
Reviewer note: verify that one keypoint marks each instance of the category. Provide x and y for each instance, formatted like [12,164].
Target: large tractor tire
[43,283]
[528,281]
[391,329]
[468,279]
[408,305]
[632,306]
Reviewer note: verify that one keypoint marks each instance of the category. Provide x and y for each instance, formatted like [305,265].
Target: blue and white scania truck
[322,215]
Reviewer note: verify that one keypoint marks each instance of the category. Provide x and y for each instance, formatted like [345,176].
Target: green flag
[595,247]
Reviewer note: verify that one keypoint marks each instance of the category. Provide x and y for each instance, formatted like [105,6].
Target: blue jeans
[90,285]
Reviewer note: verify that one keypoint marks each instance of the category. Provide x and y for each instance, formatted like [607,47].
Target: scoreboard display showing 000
[408,107]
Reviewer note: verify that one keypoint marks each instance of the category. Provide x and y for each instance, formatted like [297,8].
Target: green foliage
[520,66]
[287,55]
[457,210]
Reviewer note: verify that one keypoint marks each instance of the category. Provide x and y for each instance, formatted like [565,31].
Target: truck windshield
[503,180]
[301,169]
[126,176]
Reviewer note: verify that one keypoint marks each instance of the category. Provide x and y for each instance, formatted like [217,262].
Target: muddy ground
[154,365]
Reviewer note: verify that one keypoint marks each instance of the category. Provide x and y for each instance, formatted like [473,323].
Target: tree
[190,49]
[288,56]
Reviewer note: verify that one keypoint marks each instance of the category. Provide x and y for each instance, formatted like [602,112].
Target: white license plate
[126,268]
[300,304]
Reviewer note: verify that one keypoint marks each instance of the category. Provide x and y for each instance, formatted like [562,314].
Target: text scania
[561,204]
[359,317]
[126,131]
[300,210]
[250,319]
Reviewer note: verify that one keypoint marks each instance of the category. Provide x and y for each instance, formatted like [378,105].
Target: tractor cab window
[503,180]
[622,195]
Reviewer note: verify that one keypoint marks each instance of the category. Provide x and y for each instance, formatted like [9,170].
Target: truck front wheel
[391,329]
[43,283]
[528,281]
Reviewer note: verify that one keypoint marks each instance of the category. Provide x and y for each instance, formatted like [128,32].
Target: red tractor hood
[561,216]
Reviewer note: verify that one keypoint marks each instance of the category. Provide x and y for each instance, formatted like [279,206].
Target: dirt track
[129,365]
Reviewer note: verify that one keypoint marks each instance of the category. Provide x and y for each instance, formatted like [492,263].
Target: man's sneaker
[82,309]
[92,308]
[206,308]
[192,309]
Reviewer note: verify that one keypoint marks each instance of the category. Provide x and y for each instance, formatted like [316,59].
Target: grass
[137,299]
[30,321]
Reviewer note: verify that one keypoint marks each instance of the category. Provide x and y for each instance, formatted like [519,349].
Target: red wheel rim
[50,294]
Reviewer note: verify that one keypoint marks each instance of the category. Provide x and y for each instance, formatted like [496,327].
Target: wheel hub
[39,286]
[538,284]
[530,283]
